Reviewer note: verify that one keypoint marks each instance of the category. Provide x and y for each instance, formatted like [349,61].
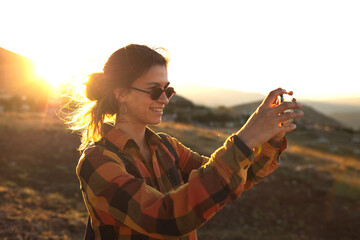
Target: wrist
[242,146]
[246,140]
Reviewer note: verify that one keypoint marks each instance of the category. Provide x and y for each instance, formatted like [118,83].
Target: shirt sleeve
[118,196]
[265,162]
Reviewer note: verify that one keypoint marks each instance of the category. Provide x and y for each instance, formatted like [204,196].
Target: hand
[281,135]
[265,123]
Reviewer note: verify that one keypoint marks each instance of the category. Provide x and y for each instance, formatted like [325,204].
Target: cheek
[137,105]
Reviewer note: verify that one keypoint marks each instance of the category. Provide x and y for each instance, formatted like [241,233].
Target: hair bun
[94,87]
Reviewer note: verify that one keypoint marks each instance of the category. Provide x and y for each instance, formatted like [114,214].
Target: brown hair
[121,69]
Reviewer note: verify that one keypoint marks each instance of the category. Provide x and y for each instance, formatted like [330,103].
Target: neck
[135,131]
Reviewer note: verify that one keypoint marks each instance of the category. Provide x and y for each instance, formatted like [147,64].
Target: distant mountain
[185,107]
[354,101]
[181,101]
[344,111]
[331,106]
[349,119]
[310,114]
[15,70]
[347,114]
[247,108]
[214,97]
[18,76]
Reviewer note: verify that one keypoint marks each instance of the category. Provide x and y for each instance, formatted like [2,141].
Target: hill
[314,195]
[338,115]
[16,72]
[183,110]
[349,119]
[214,97]
[345,111]
[20,88]
[311,116]
[330,106]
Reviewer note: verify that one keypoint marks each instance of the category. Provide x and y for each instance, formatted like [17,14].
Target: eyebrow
[156,84]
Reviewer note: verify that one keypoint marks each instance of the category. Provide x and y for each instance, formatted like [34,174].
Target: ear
[121,94]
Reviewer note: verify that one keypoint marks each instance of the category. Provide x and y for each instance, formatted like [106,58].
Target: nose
[163,99]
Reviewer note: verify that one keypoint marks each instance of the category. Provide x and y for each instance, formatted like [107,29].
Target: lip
[158,110]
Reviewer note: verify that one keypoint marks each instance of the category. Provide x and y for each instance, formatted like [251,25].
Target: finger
[287,128]
[273,95]
[290,127]
[287,106]
[290,115]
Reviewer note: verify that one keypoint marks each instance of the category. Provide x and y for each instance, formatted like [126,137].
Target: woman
[137,184]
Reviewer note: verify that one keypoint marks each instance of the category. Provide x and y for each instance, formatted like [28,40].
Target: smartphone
[285,98]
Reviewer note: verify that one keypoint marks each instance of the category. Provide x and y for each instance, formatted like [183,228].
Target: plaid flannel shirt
[136,199]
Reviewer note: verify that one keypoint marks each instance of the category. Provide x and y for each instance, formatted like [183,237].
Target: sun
[60,77]
[55,77]
[64,71]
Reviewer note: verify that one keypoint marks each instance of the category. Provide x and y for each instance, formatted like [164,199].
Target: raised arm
[114,195]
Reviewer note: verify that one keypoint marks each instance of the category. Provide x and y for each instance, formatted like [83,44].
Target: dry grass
[343,162]
[33,214]
[343,170]
[41,198]
[202,140]
[30,121]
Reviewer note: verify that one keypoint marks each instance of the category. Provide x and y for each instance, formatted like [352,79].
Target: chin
[155,121]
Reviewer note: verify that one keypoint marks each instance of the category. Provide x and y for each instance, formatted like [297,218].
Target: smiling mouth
[158,110]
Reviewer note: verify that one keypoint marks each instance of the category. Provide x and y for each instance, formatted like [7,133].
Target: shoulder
[94,157]
[163,136]
[173,144]
[167,139]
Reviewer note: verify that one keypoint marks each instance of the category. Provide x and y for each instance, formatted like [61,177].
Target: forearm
[266,161]
[161,215]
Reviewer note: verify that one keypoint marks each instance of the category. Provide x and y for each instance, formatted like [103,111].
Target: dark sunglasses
[155,93]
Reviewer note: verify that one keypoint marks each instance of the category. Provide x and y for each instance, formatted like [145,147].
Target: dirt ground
[282,207]
[40,196]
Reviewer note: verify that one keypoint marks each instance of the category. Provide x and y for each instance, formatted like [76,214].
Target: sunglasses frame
[152,92]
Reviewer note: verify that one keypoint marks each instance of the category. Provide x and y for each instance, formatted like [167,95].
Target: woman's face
[141,109]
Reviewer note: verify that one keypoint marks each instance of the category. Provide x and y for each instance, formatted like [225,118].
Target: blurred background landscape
[315,194]
[225,57]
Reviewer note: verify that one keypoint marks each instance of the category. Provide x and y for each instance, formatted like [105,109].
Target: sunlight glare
[69,75]
[55,77]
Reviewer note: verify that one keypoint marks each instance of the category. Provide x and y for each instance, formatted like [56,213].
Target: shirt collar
[121,139]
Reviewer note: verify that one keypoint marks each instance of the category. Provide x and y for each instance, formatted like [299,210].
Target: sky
[310,47]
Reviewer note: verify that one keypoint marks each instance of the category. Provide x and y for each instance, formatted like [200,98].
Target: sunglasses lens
[169,92]
[156,93]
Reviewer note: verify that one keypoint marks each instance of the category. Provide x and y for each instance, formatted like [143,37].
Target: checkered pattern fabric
[130,198]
